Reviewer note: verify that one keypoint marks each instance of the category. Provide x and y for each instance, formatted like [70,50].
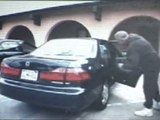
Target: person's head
[121,36]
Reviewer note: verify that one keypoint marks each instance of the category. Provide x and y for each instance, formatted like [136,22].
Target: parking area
[123,102]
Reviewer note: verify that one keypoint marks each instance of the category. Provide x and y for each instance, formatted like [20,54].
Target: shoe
[145,112]
[156,105]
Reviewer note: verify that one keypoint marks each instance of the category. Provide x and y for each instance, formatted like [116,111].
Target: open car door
[127,77]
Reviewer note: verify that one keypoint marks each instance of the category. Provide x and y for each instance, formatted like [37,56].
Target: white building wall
[99,29]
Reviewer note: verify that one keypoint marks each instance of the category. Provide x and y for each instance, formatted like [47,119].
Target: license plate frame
[31,75]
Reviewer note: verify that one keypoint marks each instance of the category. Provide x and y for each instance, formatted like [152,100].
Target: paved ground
[124,101]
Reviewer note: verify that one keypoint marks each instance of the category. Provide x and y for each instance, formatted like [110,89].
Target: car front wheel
[102,101]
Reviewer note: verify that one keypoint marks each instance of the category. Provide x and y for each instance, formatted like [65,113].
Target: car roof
[14,40]
[82,38]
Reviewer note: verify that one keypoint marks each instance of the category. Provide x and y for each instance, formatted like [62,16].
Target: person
[140,53]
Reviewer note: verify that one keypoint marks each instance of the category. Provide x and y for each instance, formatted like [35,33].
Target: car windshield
[67,49]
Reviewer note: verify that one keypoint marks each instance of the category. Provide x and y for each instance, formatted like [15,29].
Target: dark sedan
[11,47]
[70,74]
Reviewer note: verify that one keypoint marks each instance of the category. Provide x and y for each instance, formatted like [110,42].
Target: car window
[27,47]
[105,54]
[68,49]
[8,45]
[104,50]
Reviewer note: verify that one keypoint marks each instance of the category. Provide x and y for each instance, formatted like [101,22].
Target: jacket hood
[134,36]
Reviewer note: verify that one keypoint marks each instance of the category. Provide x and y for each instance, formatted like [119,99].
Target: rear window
[8,45]
[67,48]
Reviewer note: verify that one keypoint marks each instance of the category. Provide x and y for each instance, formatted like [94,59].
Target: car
[11,47]
[68,73]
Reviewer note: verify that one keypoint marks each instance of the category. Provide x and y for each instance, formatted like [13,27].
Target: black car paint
[42,64]
[77,95]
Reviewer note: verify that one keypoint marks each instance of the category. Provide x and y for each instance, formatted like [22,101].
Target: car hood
[32,62]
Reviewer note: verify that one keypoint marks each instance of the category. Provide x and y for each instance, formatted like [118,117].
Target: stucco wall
[100,29]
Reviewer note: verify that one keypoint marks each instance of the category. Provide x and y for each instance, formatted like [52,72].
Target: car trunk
[55,71]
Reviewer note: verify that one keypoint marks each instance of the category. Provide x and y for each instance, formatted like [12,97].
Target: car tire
[102,101]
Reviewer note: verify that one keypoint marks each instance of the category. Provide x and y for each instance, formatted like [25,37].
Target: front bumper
[68,98]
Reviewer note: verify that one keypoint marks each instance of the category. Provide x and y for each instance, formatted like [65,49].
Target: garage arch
[68,29]
[22,33]
[146,26]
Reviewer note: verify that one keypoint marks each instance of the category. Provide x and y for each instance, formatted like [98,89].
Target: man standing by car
[140,53]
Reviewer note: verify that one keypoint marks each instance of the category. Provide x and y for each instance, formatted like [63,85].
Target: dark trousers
[151,68]
[151,88]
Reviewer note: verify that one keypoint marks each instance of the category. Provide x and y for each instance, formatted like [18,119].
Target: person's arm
[132,62]
[132,59]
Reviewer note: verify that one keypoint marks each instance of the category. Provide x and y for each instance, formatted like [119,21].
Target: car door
[105,57]
[127,77]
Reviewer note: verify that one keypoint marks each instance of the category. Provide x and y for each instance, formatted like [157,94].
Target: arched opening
[21,33]
[148,27]
[68,29]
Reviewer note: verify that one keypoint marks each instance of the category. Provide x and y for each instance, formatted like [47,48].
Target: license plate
[29,74]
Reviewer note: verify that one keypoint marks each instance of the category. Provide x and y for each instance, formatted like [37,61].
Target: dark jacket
[141,54]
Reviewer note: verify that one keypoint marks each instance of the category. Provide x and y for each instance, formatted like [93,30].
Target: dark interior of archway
[69,29]
[151,34]
[145,26]
[22,33]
